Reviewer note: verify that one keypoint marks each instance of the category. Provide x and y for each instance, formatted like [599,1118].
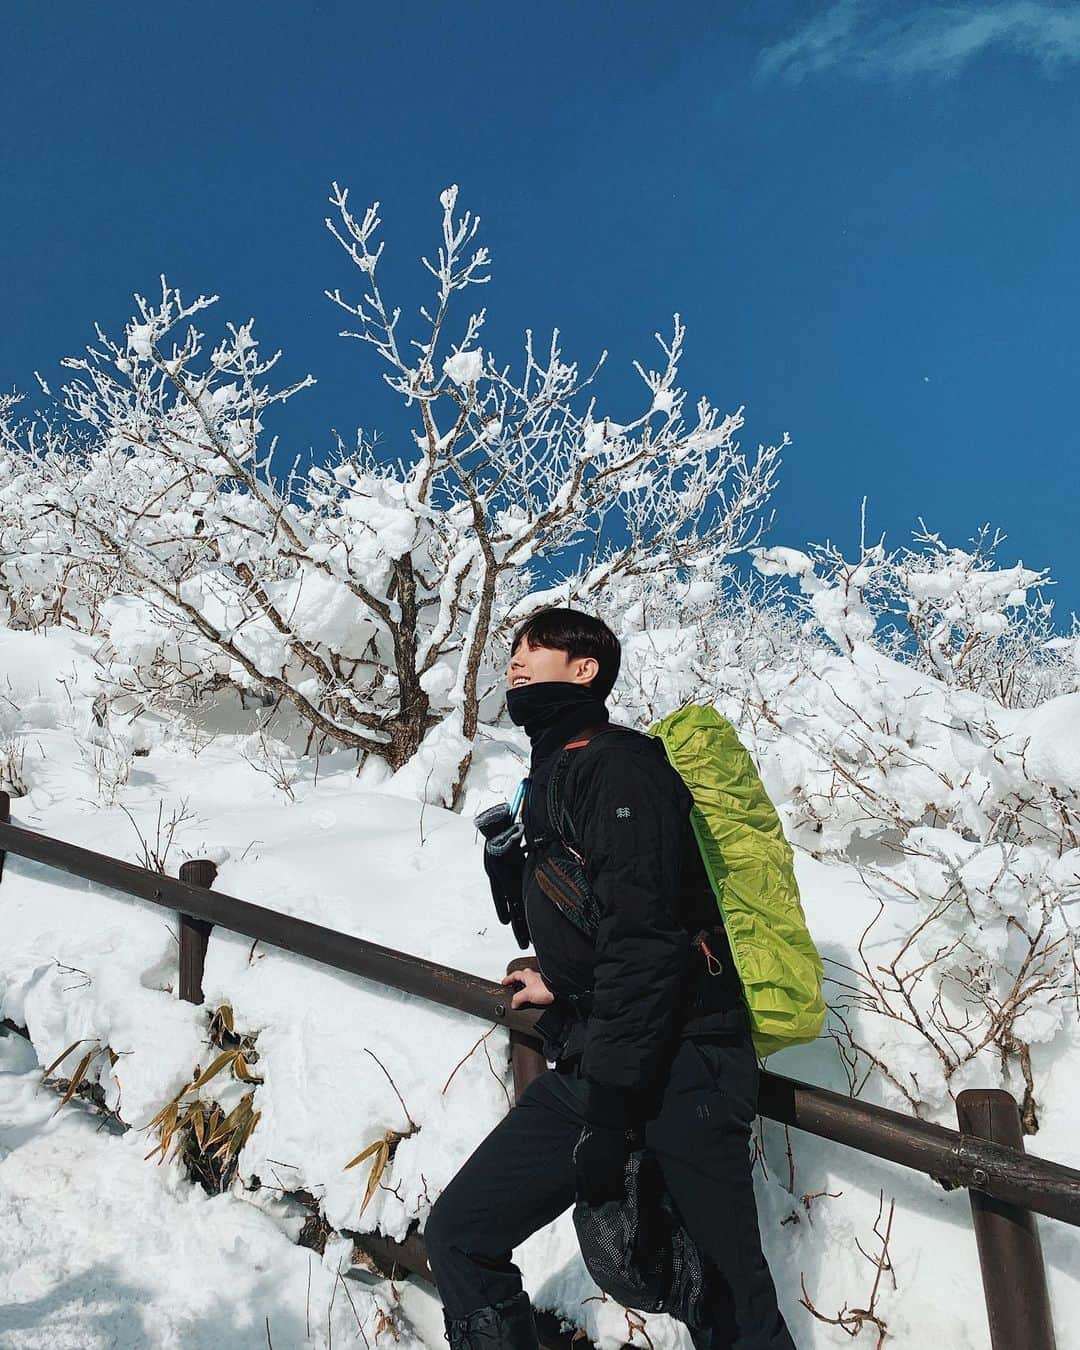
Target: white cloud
[870,39]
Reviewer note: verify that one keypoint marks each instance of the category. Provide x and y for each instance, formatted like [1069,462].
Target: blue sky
[866,214]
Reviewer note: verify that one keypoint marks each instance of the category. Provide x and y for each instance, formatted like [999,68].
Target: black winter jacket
[640,984]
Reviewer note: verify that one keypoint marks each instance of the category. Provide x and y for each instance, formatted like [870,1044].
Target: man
[649,1032]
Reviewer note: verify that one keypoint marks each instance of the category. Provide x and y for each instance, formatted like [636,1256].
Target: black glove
[600,1156]
[504,862]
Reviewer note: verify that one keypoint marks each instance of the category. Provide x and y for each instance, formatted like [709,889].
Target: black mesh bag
[638,1251]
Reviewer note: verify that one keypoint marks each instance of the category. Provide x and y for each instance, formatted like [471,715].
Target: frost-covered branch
[372,596]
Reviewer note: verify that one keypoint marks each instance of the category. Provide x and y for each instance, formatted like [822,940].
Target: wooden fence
[1008,1187]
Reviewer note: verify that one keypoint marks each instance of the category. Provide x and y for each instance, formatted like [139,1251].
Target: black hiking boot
[506,1326]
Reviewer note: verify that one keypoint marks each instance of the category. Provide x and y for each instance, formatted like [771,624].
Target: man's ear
[586,669]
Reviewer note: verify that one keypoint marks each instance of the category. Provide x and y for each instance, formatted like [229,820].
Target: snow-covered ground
[102,1247]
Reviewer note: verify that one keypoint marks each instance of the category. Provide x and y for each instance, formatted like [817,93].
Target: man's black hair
[578,635]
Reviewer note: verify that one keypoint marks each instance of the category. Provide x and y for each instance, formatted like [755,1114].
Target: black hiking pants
[522,1177]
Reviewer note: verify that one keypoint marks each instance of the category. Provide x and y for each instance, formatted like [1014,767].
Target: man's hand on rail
[533,992]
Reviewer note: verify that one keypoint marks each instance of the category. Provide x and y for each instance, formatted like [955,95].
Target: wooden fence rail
[1008,1185]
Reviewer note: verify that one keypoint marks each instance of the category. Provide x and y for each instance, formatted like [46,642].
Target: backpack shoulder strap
[559,820]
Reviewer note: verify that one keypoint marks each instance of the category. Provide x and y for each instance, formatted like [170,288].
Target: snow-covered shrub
[45,579]
[963,820]
[700,639]
[961,816]
[950,612]
[974,623]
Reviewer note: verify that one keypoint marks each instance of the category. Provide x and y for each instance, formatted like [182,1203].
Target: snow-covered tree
[368,592]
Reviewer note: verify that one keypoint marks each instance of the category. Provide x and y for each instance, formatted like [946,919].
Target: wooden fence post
[526,1052]
[194,933]
[1010,1255]
[5,817]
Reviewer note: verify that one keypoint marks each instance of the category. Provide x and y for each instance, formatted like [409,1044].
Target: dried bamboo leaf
[77,1077]
[229,1123]
[371,1148]
[167,1118]
[378,1167]
[256,1116]
[169,1107]
[239,1136]
[166,1122]
[225,1012]
[234,1140]
[217,1137]
[240,1068]
[250,1121]
[165,1142]
[60,1058]
[198,1128]
[239,1112]
[193,1112]
[213,1070]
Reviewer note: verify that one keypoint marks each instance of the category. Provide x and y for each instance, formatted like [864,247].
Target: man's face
[534,665]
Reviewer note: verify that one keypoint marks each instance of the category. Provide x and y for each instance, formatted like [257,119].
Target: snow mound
[1052,732]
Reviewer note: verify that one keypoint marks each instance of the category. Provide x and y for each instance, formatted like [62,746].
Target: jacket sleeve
[630,813]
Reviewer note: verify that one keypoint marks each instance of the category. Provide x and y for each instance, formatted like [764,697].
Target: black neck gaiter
[552,711]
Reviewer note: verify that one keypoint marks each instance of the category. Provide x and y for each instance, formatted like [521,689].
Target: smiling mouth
[518,680]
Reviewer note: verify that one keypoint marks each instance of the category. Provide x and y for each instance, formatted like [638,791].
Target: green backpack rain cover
[750,866]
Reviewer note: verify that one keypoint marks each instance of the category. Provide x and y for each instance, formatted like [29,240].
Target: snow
[140,340]
[598,434]
[1070,645]
[1052,733]
[430,774]
[40,682]
[88,1221]
[115,1252]
[779,561]
[464,368]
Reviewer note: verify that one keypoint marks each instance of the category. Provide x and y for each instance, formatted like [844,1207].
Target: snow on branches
[369,595]
[44,576]
[953,613]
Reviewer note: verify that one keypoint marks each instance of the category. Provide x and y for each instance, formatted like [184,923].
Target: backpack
[749,864]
